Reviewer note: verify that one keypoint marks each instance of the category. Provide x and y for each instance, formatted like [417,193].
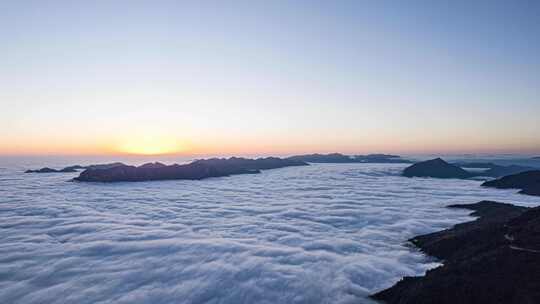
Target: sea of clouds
[328,233]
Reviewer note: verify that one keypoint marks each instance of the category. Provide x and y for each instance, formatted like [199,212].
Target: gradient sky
[207,77]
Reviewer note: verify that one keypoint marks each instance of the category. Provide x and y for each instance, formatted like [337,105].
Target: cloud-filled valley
[330,233]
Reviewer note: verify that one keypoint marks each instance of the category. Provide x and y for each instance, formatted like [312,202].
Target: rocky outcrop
[436,168]
[528,182]
[199,169]
[494,259]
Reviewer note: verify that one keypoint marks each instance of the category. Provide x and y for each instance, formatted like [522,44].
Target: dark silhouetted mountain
[341,158]
[74,168]
[50,170]
[494,259]
[380,158]
[103,166]
[199,169]
[240,164]
[436,168]
[323,158]
[528,182]
[536,157]
[152,165]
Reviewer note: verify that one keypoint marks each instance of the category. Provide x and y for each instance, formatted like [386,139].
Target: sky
[269,77]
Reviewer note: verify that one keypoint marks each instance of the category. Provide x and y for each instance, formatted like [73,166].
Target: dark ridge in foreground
[341,158]
[493,259]
[528,182]
[199,169]
[74,168]
[436,168]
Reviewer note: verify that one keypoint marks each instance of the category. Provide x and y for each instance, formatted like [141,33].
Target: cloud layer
[319,234]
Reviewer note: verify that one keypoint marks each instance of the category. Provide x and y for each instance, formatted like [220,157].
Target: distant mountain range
[196,170]
[441,169]
[215,167]
[74,168]
[341,158]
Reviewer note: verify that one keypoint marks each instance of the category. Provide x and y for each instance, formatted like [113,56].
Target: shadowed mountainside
[493,259]
[436,168]
[196,170]
[528,182]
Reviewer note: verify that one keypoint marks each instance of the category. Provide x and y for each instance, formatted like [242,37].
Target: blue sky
[269,76]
